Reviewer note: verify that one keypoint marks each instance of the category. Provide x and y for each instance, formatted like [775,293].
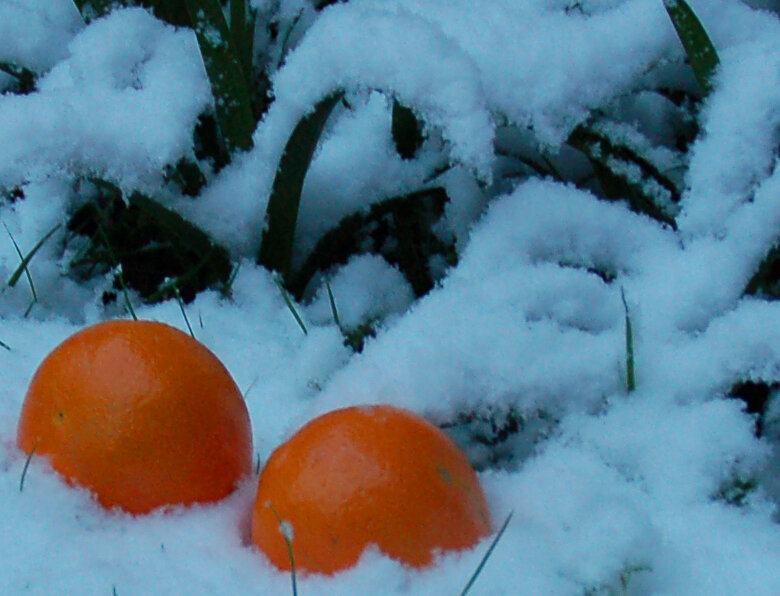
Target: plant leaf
[282,211]
[599,149]
[698,47]
[399,229]
[12,281]
[229,86]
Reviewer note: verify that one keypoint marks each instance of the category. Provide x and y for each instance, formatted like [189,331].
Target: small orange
[367,475]
[139,413]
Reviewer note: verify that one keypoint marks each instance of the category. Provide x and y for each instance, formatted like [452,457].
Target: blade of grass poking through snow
[229,86]
[5,346]
[489,552]
[282,211]
[288,301]
[698,47]
[285,529]
[630,371]
[27,465]
[333,309]
[22,268]
[242,28]
[26,271]
[183,312]
[118,267]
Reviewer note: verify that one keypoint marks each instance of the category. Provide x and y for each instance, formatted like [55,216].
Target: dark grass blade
[630,370]
[26,466]
[22,268]
[223,64]
[489,552]
[288,543]
[334,311]
[291,307]
[406,130]
[282,211]
[5,346]
[183,311]
[408,221]
[118,267]
[599,148]
[701,52]
[26,269]
[242,28]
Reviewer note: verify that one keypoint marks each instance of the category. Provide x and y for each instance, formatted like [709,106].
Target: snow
[606,488]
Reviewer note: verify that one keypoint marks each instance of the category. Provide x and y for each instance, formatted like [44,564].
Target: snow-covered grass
[581,163]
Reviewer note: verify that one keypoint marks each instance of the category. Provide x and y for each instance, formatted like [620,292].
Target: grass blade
[288,301]
[333,309]
[698,47]
[5,346]
[242,31]
[27,465]
[12,281]
[489,552]
[183,312]
[282,211]
[630,370]
[26,269]
[118,266]
[229,85]
[285,532]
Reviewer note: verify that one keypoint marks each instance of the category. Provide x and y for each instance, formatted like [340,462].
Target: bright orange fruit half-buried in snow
[367,475]
[139,413]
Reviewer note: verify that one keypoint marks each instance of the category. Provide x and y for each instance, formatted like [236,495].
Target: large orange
[139,413]
[368,475]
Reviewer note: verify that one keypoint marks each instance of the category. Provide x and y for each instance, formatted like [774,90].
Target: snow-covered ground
[612,493]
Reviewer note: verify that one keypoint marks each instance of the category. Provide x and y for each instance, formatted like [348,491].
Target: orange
[139,413]
[367,475]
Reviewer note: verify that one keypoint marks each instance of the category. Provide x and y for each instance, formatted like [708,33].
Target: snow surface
[611,488]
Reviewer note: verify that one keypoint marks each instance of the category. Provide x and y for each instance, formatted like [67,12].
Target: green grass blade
[118,266]
[242,31]
[489,552]
[27,465]
[630,370]
[183,311]
[288,301]
[288,541]
[12,281]
[26,269]
[229,85]
[333,309]
[282,212]
[698,47]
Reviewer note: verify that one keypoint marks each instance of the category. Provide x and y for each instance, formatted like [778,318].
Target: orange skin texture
[367,475]
[139,413]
